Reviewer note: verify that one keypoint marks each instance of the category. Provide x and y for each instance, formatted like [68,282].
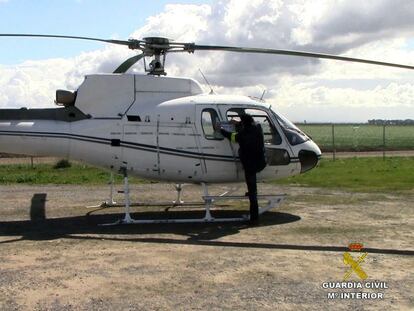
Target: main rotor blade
[128,63]
[122,42]
[194,47]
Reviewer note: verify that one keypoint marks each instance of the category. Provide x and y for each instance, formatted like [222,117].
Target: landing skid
[175,221]
[149,204]
[209,200]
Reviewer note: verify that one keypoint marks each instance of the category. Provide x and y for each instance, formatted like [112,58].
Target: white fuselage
[160,127]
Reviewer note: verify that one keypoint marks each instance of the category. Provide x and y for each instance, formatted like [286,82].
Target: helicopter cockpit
[271,135]
[294,135]
[285,143]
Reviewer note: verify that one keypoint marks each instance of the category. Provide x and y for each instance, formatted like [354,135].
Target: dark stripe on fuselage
[130,145]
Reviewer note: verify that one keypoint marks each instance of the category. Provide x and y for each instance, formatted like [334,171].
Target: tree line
[391,122]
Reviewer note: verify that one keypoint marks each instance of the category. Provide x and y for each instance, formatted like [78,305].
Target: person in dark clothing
[249,136]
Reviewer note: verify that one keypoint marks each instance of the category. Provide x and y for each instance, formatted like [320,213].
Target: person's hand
[217,126]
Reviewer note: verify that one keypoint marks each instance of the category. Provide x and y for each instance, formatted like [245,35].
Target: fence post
[333,141]
[383,141]
[31,162]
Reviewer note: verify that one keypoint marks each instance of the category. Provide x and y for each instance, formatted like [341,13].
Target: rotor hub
[156,47]
[157,40]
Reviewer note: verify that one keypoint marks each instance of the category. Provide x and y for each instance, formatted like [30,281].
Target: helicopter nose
[309,157]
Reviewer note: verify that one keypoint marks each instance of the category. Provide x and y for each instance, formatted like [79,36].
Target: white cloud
[299,86]
[179,22]
[31,84]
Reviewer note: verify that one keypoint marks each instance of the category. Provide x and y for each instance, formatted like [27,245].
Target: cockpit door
[280,158]
[219,155]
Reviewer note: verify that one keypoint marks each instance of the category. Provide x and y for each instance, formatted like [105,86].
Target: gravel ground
[54,256]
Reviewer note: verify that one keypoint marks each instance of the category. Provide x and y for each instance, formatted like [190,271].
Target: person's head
[246,120]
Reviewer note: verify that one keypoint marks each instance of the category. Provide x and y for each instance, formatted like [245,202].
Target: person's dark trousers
[252,191]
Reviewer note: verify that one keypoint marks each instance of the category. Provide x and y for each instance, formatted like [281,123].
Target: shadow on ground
[41,228]
[47,229]
[87,227]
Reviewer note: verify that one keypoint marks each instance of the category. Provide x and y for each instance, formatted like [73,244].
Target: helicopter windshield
[294,135]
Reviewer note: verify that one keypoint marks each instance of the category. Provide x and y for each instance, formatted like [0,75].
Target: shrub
[62,164]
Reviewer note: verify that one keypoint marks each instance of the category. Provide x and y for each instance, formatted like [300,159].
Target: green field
[361,137]
[359,174]
[355,174]
[77,174]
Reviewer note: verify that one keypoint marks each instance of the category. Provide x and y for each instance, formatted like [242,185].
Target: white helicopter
[157,127]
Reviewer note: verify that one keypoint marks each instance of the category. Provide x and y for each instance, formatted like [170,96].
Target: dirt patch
[54,256]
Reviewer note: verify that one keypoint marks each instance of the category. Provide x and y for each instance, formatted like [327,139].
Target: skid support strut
[111,191]
[127,217]
[207,203]
[179,189]
[110,202]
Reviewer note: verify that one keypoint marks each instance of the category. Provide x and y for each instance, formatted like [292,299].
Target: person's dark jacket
[251,151]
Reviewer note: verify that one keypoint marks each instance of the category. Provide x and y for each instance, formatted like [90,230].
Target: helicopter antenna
[208,83]
[261,97]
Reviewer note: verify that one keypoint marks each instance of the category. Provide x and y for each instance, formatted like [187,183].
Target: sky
[31,69]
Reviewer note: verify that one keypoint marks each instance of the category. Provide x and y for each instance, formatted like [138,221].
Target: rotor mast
[157,48]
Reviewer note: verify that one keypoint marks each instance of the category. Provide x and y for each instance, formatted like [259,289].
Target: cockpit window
[293,134]
[209,117]
[271,136]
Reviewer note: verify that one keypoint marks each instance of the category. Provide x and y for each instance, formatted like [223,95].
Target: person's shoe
[254,222]
[254,219]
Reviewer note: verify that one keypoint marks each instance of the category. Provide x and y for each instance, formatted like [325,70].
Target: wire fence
[360,137]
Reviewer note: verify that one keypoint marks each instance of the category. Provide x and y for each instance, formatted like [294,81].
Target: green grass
[355,174]
[361,137]
[76,174]
[359,174]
